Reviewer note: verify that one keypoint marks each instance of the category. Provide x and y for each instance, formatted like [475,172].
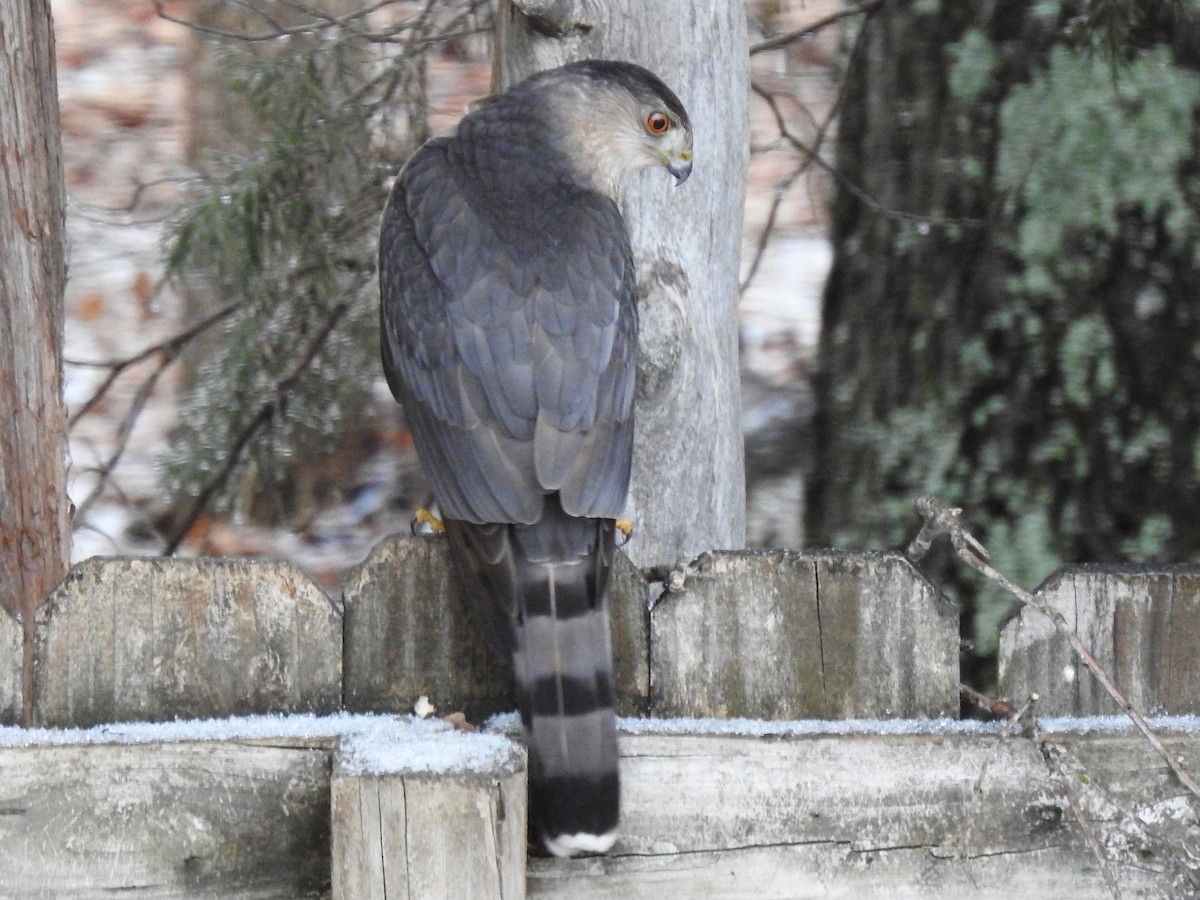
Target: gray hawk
[509,332]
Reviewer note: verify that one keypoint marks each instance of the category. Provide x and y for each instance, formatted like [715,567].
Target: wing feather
[512,349]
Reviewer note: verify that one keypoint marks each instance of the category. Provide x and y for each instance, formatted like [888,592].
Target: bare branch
[781,191]
[145,389]
[169,348]
[784,187]
[1001,709]
[941,519]
[782,40]
[321,21]
[1050,755]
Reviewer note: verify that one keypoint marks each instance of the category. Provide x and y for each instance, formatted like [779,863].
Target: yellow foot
[425,517]
[625,526]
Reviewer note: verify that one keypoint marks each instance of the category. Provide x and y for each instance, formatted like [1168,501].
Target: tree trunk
[34,524]
[1010,320]
[688,491]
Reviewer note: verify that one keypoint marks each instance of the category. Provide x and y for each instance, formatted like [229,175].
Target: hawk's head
[612,118]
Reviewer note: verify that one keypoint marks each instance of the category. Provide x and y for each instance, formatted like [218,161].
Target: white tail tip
[567,845]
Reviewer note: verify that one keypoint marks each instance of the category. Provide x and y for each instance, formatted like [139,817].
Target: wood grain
[785,635]
[1141,623]
[153,639]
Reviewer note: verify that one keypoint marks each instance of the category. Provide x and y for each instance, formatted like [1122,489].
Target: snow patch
[369,744]
[510,723]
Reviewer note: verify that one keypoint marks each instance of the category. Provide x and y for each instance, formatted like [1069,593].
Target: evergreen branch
[941,519]
[260,418]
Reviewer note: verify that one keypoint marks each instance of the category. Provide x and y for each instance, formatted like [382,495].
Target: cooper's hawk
[509,331]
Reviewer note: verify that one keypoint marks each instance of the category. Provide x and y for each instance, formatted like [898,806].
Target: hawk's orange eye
[658,123]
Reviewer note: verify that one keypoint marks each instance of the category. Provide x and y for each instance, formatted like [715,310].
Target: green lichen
[1081,147]
[973,64]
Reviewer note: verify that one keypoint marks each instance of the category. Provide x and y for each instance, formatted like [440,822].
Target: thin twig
[784,187]
[1050,753]
[322,21]
[812,155]
[941,519]
[1014,721]
[781,190]
[170,348]
[145,389]
[1000,709]
[782,40]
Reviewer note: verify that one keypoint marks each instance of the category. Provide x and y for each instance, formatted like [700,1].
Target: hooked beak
[680,166]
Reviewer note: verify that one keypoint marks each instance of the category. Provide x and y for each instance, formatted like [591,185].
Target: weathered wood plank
[773,811]
[151,639]
[421,834]
[173,820]
[1142,624]
[409,633]
[10,669]
[780,634]
[876,815]
[801,872]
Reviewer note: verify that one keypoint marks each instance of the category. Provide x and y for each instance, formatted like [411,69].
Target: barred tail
[563,666]
[552,577]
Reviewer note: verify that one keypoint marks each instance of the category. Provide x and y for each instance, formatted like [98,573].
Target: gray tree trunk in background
[35,536]
[688,489]
[987,143]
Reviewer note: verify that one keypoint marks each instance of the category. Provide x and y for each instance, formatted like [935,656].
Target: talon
[425,517]
[625,526]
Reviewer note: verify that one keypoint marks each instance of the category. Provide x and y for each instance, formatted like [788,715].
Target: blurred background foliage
[279,232]
[1028,348]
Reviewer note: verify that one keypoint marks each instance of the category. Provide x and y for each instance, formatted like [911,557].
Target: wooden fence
[747,796]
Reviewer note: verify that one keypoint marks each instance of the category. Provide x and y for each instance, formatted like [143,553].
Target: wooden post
[409,633]
[784,635]
[406,831]
[1142,625]
[151,639]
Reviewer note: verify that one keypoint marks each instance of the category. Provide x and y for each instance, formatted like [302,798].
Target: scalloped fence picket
[730,788]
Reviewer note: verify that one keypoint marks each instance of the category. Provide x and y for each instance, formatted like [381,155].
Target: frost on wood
[390,806]
[240,807]
[781,635]
[1142,624]
[125,639]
